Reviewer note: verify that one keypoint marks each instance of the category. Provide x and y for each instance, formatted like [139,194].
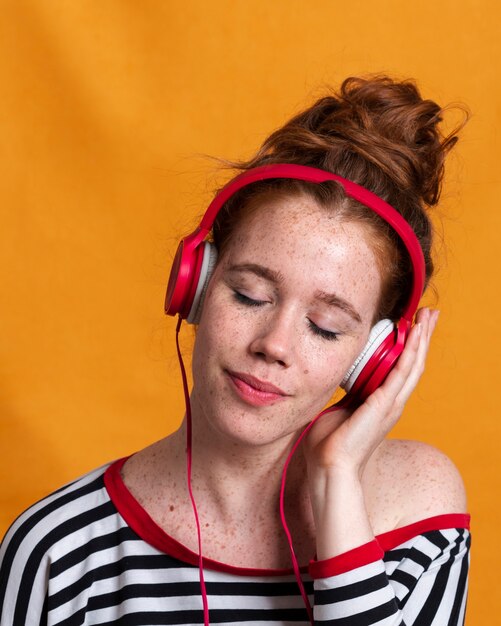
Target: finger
[434,320]
[429,323]
[390,398]
[402,380]
[407,360]
[429,318]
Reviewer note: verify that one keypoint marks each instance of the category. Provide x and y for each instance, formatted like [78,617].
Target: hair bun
[372,126]
[396,130]
[379,133]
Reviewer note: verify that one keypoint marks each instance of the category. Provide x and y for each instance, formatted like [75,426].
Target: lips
[255,391]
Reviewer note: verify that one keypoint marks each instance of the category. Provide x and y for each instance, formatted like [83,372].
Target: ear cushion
[208,264]
[378,334]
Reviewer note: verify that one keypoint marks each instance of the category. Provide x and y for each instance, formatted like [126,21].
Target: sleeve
[45,532]
[24,573]
[422,581]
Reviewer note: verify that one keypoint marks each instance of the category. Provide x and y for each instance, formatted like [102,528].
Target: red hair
[379,133]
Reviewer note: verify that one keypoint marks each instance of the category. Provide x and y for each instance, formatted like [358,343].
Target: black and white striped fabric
[89,554]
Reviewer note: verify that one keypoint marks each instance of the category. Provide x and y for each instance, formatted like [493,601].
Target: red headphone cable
[188,473]
[295,564]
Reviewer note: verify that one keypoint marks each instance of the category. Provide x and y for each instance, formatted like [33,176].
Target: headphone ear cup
[207,267]
[356,373]
[180,278]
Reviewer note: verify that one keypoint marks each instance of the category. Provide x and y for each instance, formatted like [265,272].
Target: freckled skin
[239,449]
[313,252]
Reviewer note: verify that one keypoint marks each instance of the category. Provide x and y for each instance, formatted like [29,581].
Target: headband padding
[208,264]
[378,334]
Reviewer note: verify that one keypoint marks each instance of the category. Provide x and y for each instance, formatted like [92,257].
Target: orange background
[105,109]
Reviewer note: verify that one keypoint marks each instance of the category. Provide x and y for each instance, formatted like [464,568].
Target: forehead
[309,243]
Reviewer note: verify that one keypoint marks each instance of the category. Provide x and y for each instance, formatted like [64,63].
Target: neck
[231,476]
[236,487]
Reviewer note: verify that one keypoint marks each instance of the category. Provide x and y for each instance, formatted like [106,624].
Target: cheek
[324,368]
[344,358]
[217,332]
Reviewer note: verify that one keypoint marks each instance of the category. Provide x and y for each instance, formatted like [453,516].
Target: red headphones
[196,258]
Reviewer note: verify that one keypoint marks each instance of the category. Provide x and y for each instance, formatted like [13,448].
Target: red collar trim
[396,537]
[144,526]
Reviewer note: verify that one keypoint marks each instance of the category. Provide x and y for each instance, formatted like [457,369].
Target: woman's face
[287,311]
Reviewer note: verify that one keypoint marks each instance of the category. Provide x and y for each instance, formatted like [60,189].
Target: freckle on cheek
[306,372]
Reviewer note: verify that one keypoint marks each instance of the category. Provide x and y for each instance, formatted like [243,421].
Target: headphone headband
[353,190]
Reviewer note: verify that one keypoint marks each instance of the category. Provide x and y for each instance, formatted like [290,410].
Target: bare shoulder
[416,480]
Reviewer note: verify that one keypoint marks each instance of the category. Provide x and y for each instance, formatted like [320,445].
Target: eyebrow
[331,299]
[259,270]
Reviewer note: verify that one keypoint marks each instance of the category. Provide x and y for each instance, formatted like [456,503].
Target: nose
[274,341]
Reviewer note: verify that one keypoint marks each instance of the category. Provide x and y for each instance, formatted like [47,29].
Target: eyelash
[320,332]
[239,297]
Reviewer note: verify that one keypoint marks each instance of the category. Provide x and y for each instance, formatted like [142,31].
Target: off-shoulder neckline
[139,520]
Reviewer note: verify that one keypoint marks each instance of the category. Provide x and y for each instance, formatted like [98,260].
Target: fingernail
[419,328]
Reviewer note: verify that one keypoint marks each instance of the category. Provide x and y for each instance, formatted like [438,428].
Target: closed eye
[240,297]
[321,332]
[329,335]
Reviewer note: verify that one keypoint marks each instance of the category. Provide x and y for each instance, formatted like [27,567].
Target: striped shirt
[90,554]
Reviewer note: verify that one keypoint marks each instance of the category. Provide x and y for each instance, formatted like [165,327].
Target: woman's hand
[339,445]
[345,440]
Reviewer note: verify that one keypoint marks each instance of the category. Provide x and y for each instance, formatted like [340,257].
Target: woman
[303,273]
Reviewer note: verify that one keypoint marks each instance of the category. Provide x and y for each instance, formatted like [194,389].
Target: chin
[247,426]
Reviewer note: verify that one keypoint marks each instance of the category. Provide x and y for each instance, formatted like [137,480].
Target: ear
[378,334]
[208,264]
